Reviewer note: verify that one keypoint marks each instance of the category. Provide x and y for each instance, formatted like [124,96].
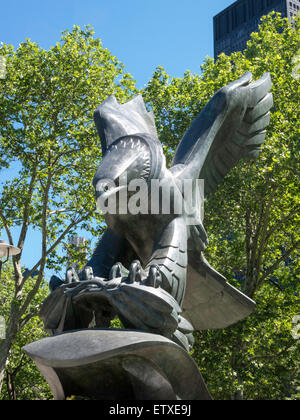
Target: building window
[251,8]
[233,17]
[227,23]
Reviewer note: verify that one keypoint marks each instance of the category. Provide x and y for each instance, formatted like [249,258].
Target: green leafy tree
[47,135]
[22,380]
[253,218]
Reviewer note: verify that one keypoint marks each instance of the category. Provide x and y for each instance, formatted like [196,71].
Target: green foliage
[257,357]
[22,379]
[47,100]
[48,139]
[253,218]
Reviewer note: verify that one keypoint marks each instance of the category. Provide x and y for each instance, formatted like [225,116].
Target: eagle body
[153,263]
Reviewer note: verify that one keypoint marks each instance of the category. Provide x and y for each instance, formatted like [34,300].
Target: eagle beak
[103,194]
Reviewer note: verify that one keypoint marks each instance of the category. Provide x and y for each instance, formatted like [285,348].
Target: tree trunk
[238,395]
[10,384]
[4,353]
[5,345]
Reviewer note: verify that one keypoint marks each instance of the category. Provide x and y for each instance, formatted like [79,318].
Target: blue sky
[142,34]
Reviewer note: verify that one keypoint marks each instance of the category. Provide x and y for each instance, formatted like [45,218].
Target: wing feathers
[260,109]
[221,165]
[242,131]
[256,139]
[259,89]
[211,302]
[231,126]
[257,126]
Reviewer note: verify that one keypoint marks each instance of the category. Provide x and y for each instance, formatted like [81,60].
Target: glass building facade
[233,26]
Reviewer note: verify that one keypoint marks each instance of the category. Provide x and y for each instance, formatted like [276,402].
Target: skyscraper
[233,26]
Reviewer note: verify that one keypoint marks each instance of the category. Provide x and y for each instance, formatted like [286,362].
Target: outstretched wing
[231,126]
[210,301]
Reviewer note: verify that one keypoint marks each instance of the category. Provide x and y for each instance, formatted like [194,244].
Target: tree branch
[39,280]
[273,356]
[25,217]
[64,210]
[265,217]
[6,227]
[278,262]
[27,318]
[282,221]
[59,239]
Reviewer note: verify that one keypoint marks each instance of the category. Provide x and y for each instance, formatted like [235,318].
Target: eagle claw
[149,277]
[115,271]
[135,272]
[154,278]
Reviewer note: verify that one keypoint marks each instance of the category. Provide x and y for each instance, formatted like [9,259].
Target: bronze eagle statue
[148,268]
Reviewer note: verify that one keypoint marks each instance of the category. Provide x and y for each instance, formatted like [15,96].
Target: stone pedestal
[110,364]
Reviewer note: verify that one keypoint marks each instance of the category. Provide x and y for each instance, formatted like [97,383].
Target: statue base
[113,364]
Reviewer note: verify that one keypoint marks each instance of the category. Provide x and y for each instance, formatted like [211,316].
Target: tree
[22,380]
[47,100]
[252,219]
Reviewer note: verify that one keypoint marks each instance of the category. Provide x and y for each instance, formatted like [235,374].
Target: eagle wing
[210,301]
[232,126]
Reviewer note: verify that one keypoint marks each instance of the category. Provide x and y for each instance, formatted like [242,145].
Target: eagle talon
[115,271]
[86,274]
[72,275]
[135,272]
[154,278]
